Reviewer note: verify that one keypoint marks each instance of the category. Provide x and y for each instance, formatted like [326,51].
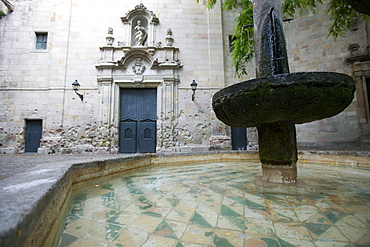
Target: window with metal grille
[41,41]
[231,40]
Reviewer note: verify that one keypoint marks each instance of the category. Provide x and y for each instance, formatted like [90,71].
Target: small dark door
[138,120]
[33,135]
[239,138]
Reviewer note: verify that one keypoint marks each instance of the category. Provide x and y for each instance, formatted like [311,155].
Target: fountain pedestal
[278,152]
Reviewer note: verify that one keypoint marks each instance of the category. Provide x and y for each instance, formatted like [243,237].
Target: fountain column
[277,141]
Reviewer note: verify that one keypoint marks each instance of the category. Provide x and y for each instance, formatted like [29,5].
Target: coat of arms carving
[138,68]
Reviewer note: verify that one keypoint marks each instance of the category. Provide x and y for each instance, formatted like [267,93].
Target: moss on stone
[299,97]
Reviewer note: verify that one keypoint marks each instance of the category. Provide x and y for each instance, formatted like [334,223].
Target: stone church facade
[135,62]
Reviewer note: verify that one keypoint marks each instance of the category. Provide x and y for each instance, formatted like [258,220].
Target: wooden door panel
[138,116]
[147,137]
[33,135]
[128,137]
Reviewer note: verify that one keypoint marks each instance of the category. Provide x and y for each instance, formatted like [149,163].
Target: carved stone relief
[141,61]
[140,26]
[169,38]
[138,68]
[110,38]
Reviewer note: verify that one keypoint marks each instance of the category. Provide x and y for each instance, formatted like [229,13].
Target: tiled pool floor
[218,204]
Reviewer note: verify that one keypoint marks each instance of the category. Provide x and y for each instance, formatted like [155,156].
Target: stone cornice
[140,9]
[361,58]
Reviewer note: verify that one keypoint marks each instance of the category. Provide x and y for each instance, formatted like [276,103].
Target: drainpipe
[8,5]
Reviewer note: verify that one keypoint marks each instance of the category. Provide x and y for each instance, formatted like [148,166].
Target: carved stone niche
[140,26]
[141,50]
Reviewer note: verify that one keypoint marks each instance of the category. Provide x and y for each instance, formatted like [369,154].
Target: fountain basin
[298,97]
[29,213]
[213,204]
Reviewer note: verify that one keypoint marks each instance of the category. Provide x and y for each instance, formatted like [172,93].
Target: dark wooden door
[33,135]
[138,120]
[239,138]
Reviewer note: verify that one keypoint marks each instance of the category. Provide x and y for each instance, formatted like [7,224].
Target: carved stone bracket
[355,56]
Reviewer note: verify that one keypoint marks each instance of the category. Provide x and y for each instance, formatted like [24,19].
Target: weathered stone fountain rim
[29,218]
[311,78]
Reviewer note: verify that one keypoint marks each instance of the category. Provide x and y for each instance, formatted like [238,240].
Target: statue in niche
[140,34]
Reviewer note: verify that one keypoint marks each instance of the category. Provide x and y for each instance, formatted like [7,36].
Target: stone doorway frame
[159,69]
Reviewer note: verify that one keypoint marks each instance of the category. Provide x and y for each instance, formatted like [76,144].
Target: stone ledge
[7,150]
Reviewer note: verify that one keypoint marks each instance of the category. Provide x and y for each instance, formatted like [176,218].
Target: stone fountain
[277,100]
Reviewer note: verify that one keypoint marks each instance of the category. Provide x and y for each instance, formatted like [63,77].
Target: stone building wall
[310,49]
[36,84]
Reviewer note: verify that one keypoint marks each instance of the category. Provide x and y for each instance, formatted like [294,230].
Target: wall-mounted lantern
[76,87]
[194,88]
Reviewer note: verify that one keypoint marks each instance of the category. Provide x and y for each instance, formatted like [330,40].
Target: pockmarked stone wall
[36,84]
[310,49]
[90,42]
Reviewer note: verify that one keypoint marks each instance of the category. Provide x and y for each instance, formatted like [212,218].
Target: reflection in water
[218,204]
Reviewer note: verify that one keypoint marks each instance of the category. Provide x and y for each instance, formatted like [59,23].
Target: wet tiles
[219,204]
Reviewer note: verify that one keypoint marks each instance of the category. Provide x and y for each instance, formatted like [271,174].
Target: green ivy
[340,12]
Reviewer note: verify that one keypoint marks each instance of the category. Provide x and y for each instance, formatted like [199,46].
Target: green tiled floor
[219,204]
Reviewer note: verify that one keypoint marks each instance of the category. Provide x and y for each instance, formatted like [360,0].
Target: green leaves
[289,7]
[210,3]
[243,44]
[340,12]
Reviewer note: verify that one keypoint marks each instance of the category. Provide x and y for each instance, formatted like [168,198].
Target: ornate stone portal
[278,100]
[140,61]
